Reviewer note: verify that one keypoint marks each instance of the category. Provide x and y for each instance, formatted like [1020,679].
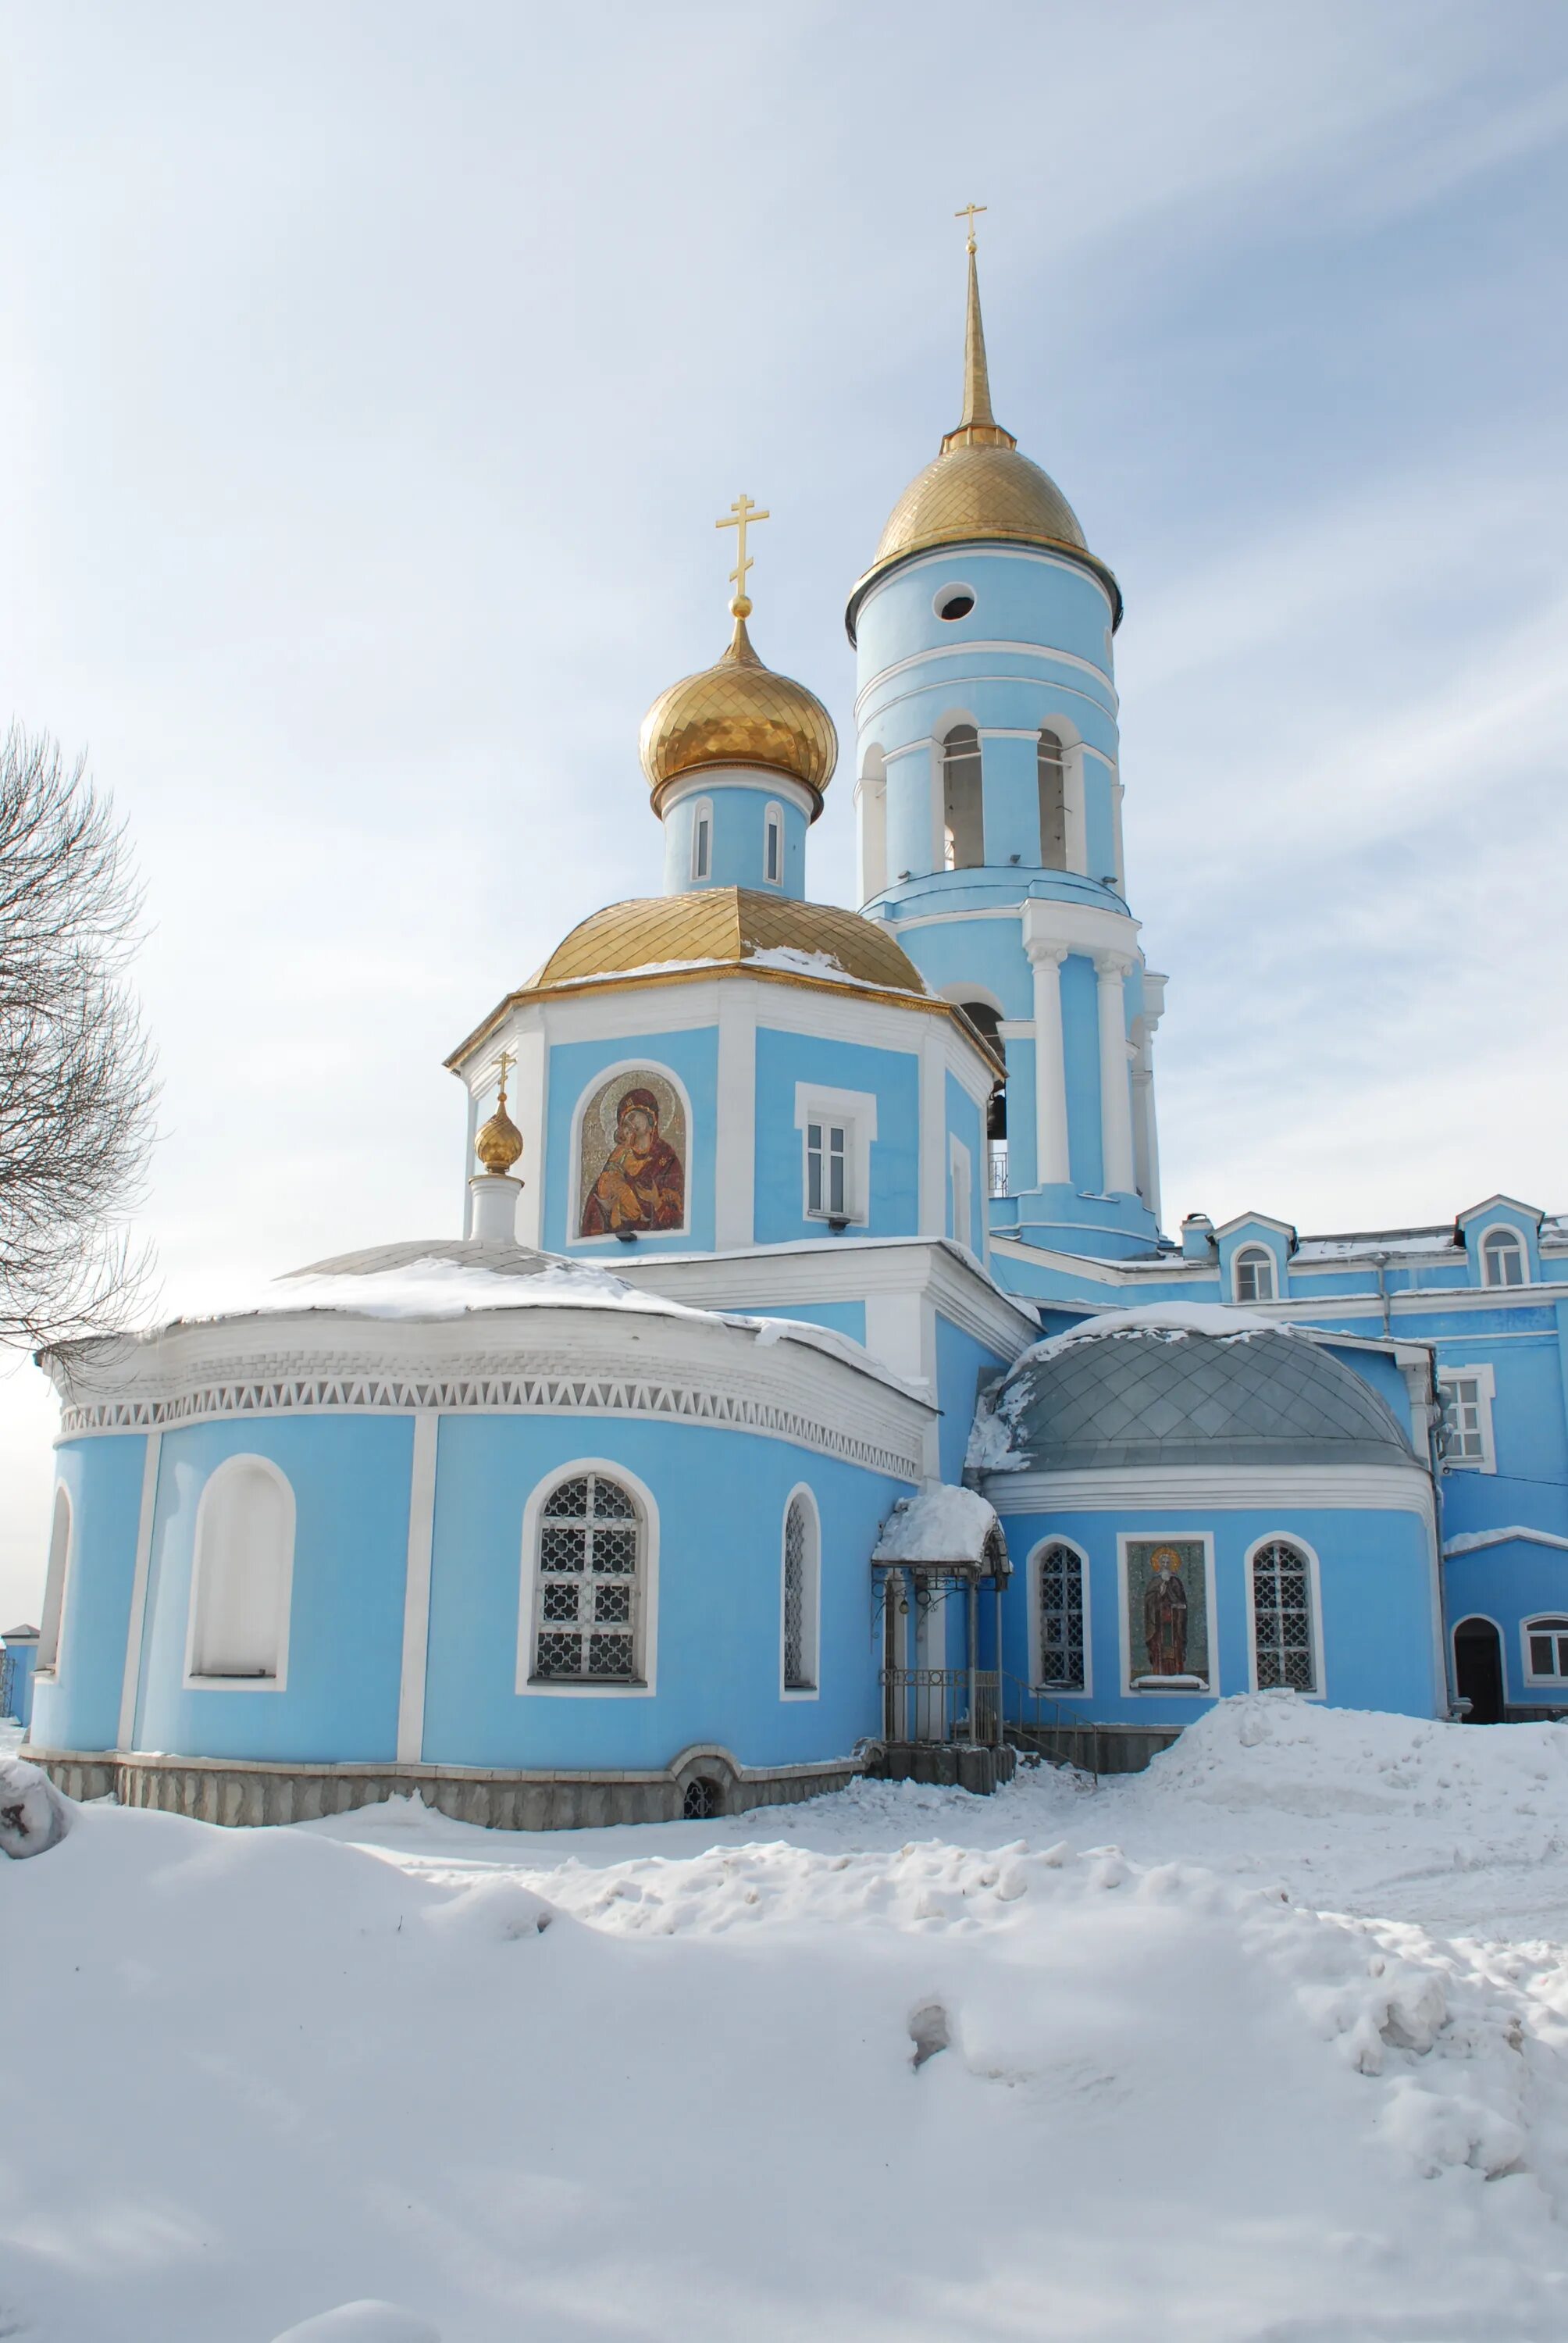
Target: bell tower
[989,795]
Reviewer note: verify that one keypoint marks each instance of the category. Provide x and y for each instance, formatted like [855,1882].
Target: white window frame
[1314,1606]
[1504,1228]
[772,829]
[647,1617]
[812,1595]
[1485,1380]
[855,1112]
[1539,1624]
[1251,1253]
[57,1582]
[197,1680]
[1036,1681]
[961,1183]
[1164,1536]
[702,839]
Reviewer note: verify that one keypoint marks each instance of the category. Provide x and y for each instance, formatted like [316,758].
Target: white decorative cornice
[1213,1488]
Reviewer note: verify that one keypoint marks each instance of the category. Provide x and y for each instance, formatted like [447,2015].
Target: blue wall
[891,1076]
[1378,1598]
[737,845]
[81,1710]
[1510,1583]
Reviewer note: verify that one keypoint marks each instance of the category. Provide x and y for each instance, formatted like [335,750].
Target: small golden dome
[980,489]
[728,927]
[739,713]
[499,1141]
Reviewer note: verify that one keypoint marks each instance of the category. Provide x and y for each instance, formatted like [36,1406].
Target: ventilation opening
[703,1800]
[955,604]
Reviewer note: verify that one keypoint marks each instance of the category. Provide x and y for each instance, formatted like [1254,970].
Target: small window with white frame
[1284,1637]
[1060,1642]
[800,1603]
[1466,1393]
[1503,1258]
[837,1129]
[1253,1274]
[773,846]
[1546,1651]
[702,839]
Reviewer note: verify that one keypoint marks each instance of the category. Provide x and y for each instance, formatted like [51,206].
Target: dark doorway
[1478,1670]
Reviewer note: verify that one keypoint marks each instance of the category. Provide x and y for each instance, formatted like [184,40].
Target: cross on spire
[742,513]
[970,212]
[504,1064]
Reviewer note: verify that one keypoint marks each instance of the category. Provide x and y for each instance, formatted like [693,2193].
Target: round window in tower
[954,602]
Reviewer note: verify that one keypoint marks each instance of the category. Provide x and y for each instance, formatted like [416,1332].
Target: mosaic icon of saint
[643,1183]
[1165,1615]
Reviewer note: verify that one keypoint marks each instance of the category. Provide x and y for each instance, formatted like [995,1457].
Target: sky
[372,375]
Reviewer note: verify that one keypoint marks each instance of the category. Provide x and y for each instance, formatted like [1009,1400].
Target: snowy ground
[1292,2065]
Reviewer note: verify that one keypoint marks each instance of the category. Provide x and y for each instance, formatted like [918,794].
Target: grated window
[1282,1617]
[1059,1598]
[590,1554]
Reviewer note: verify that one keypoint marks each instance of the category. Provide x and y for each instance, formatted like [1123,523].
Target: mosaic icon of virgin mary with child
[643,1183]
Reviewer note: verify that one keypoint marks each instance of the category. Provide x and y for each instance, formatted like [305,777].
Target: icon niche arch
[632,1155]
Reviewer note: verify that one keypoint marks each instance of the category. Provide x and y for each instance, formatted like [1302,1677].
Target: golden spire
[500,1142]
[977,427]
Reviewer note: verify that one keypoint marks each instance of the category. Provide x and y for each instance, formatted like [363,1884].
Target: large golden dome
[980,489]
[738,712]
[720,927]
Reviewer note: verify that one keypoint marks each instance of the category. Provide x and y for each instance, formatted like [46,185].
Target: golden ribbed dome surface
[978,492]
[729,926]
[738,712]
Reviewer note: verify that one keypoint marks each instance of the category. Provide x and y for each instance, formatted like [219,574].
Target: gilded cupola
[738,711]
[980,489]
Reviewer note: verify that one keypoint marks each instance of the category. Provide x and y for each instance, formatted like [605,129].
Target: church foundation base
[951,1765]
[701,1783]
[1098,1748]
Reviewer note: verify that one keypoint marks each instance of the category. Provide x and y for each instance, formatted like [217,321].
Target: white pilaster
[131,1681]
[735,1142]
[1145,1135]
[1115,1089]
[416,1589]
[933,1189]
[1052,1163]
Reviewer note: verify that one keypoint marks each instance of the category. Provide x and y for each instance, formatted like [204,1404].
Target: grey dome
[1162,1396]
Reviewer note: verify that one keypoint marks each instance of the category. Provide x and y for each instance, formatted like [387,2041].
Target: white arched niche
[243,1577]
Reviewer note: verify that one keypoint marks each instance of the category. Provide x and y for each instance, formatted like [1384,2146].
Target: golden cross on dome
[969,211]
[504,1064]
[741,515]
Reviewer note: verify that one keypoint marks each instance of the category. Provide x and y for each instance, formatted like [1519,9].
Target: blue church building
[812,1386]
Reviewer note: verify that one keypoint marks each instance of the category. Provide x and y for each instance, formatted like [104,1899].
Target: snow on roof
[1173,1322]
[1470,1541]
[943,1525]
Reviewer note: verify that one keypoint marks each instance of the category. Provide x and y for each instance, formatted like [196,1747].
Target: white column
[1145,1133]
[1052,1166]
[1115,1089]
[131,1680]
[493,1215]
[417,1588]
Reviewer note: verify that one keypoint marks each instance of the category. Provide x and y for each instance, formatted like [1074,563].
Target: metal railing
[941,1705]
[996,1167]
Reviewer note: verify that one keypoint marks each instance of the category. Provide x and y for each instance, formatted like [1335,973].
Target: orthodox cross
[741,515]
[968,211]
[503,1065]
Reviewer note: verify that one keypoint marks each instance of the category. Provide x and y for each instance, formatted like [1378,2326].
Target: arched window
[963,818]
[1255,1272]
[1052,771]
[1283,1642]
[702,839]
[588,1599]
[1501,1258]
[1058,1618]
[54,1583]
[1546,1650]
[244,1569]
[801,1602]
[773,846]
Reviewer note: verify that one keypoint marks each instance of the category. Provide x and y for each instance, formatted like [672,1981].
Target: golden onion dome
[738,712]
[498,1143]
[980,489]
[718,927]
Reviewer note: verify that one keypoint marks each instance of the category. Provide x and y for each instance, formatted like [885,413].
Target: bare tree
[76,1085]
